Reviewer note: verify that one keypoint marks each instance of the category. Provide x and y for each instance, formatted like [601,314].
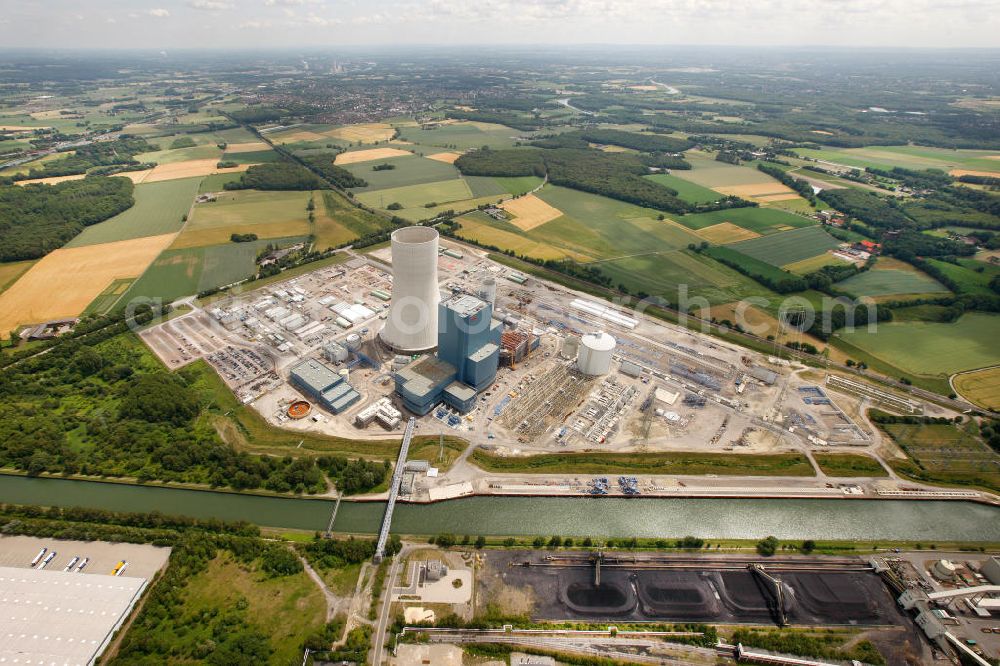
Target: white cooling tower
[412,324]
[595,354]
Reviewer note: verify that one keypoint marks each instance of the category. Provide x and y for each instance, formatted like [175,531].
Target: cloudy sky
[290,23]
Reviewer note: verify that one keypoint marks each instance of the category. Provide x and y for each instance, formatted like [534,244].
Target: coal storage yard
[715,589]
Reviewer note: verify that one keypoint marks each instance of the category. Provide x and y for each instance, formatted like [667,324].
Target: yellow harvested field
[295,137]
[365,132]
[726,232]
[189,169]
[137,176]
[20,128]
[786,196]
[65,281]
[249,147]
[529,212]
[970,172]
[445,157]
[51,180]
[369,155]
[193,237]
[823,132]
[754,189]
[644,88]
[981,387]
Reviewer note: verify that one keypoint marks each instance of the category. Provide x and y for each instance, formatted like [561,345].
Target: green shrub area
[36,219]
[868,207]
[778,464]
[277,176]
[108,408]
[805,643]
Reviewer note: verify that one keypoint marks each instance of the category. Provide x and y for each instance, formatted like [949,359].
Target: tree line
[36,219]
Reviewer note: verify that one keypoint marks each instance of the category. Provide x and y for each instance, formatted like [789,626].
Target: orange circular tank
[299,409]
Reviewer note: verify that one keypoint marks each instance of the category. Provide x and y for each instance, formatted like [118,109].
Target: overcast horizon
[281,24]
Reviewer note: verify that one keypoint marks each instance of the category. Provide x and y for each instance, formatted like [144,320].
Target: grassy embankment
[672,462]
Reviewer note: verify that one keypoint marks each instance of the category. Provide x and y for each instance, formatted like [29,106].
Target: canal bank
[719,518]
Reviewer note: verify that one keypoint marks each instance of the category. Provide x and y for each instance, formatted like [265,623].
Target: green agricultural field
[891,278]
[217,182]
[518,185]
[159,209]
[709,173]
[107,298]
[200,138]
[267,214]
[180,272]
[670,274]
[409,170]
[462,136]
[415,196]
[908,157]
[747,262]
[625,241]
[686,190]
[789,246]
[485,186]
[931,348]
[338,221]
[759,220]
[253,157]
[203,152]
[972,277]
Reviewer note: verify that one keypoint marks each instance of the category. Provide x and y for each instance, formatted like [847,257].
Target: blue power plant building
[466,363]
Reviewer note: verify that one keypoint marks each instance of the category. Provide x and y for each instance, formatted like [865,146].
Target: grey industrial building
[466,363]
[323,385]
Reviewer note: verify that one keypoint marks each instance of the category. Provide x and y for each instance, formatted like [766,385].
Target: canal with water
[567,516]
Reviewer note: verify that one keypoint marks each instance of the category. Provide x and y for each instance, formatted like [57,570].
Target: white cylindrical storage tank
[594,357]
[488,291]
[944,569]
[570,347]
[353,342]
[345,373]
[412,322]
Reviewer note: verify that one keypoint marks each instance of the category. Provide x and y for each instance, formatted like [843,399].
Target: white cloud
[254,25]
[210,5]
[159,12]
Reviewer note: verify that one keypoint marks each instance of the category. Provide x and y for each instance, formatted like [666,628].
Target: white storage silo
[353,342]
[412,322]
[595,353]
